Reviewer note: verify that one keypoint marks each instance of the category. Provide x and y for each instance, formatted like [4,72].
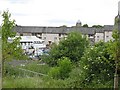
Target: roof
[37,29]
[64,30]
[83,30]
[108,27]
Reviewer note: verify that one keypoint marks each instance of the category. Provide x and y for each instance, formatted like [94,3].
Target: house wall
[50,37]
[107,36]
[99,37]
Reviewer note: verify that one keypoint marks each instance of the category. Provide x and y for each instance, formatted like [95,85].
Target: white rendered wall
[108,36]
[99,37]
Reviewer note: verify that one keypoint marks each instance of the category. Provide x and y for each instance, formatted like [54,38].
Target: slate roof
[83,30]
[65,30]
[108,27]
[99,30]
[37,29]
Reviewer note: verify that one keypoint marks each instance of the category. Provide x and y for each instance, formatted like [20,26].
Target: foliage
[74,80]
[85,25]
[10,50]
[72,47]
[97,26]
[54,73]
[97,66]
[63,69]
[114,47]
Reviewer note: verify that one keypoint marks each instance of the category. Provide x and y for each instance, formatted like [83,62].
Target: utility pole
[117,26]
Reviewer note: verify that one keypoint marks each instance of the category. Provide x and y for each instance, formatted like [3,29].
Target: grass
[32,82]
[18,79]
[21,82]
[36,67]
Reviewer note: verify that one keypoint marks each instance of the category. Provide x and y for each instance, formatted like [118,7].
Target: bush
[54,72]
[65,67]
[74,80]
[97,66]
[62,70]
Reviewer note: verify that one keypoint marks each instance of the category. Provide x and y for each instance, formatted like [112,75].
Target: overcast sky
[61,12]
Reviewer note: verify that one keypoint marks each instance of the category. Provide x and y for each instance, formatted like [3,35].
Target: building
[55,34]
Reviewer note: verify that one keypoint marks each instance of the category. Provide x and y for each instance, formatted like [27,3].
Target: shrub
[97,66]
[62,70]
[54,72]
[65,67]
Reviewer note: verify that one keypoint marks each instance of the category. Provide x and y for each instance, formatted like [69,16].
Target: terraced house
[55,34]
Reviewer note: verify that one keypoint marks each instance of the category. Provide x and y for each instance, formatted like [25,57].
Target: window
[97,36]
[50,42]
[59,35]
[44,37]
[34,34]
[55,37]
[24,43]
[107,36]
[37,42]
[40,37]
[39,34]
[21,34]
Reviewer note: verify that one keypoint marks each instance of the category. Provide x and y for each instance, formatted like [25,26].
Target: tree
[72,47]
[10,50]
[85,25]
[97,67]
[115,49]
[97,26]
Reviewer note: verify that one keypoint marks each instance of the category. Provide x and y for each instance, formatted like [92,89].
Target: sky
[60,12]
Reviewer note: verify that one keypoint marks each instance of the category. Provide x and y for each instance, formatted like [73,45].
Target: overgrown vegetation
[97,66]
[62,70]
[73,63]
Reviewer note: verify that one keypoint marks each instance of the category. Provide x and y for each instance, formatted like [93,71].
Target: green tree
[85,25]
[97,67]
[72,47]
[97,26]
[114,47]
[10,50]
